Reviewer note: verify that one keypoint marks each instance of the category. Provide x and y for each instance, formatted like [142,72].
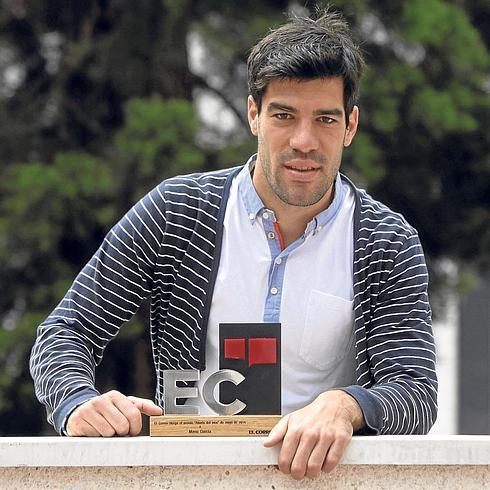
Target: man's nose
[304,138]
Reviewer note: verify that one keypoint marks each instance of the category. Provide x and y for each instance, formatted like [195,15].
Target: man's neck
[293,220]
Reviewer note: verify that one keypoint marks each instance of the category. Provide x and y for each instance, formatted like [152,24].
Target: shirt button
[271,235]
[274,290]
[265,215]
[278,260]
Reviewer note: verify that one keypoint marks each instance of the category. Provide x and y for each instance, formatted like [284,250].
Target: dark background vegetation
[101,100]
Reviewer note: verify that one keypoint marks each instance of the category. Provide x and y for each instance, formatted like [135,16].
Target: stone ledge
[360,477]
[65,452]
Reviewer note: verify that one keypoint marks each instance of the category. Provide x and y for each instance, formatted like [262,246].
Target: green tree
[102,99]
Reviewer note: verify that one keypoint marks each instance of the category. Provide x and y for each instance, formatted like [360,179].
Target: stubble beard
[297,197]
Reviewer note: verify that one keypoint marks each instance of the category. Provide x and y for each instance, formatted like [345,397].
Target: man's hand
[109,415]
[315,437]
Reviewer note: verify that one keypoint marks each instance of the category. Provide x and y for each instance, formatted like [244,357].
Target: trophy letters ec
[248,382]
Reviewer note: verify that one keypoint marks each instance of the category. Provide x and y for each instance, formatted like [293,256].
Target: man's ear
[351,129]
[253,115]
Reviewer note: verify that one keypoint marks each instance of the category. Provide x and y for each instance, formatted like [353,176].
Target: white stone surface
[232,451]
[344,477]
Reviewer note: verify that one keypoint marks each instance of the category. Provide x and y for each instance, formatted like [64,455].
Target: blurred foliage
[102,99]
[157,142]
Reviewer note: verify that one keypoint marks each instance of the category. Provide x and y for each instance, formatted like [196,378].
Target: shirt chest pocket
[328,331]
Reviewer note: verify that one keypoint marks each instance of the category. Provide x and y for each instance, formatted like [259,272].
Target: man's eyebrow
[328,112]
[277,106]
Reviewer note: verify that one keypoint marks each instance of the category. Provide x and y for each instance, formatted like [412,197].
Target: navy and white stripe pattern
[397,383]
[167,248]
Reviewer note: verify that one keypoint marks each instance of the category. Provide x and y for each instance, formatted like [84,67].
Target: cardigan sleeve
[401,396]
[106,293]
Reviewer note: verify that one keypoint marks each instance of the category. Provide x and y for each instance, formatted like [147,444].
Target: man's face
[301,132]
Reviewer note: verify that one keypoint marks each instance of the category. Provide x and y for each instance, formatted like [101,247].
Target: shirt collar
[327,215]
[251,200]
[254,205]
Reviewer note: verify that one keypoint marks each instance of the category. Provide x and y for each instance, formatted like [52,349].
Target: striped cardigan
[167,247]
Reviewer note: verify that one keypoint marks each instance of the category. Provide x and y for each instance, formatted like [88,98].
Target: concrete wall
[384,462]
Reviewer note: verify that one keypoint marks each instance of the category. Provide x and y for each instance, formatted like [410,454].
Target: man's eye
[282,116]
[326,120]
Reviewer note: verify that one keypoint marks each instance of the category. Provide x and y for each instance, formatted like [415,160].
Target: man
[284,238]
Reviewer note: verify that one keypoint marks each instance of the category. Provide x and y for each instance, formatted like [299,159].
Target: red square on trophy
[234,349]
[262,351]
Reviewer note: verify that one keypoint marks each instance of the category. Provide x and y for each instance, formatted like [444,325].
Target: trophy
[248,381]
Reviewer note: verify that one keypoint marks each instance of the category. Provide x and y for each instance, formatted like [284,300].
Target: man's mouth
[301,173]
[301,169]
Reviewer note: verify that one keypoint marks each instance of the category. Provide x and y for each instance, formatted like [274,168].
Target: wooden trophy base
[222,425]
